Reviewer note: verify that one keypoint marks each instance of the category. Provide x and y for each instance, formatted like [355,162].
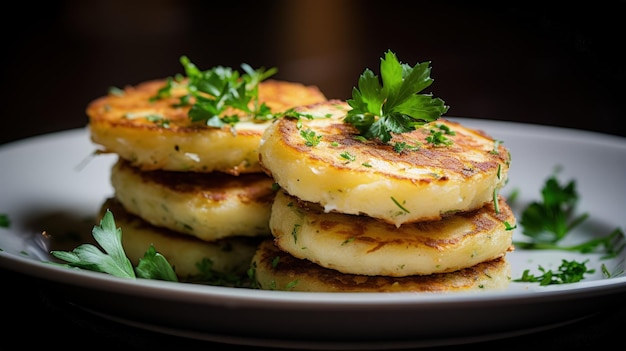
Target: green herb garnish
[153,265]
[113,259]
[438,137]
[402,145]
[399,205]
[347,156]
[548,221]
[567,272]
[551,219]
[395,105]
[310,137]
[4,220]
[219,90]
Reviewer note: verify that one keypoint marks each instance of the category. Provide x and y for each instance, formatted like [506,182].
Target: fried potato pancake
[403,181]
[366,246]
[208,206]
[277,270]
[221,261]
[160,135]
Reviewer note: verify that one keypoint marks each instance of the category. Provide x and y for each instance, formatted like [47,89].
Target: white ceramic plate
[51,183]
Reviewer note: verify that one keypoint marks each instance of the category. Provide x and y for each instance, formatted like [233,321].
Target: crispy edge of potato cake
[275,269]
[158,134]
[346,174]
[366,246]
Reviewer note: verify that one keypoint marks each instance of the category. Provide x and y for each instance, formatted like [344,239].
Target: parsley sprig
[549,221]
[113,259]
[395,105]
[218,90]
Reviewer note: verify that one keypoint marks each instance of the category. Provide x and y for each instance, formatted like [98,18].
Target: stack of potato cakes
[194,191]
[357,215]
[249,175]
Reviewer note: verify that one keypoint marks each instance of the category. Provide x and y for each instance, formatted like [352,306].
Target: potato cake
[158,134]
[366,246]
[208,206]
[225,261]
[277,270]
[319,158]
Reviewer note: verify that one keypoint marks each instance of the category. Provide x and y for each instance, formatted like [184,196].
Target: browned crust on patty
[159,134]
[250,187]
[448,159]
[112,108]
[282,271]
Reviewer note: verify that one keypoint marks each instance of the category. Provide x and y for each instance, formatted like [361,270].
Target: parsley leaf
[547,222]
[395,106]
[153,265]
[551,219]
[113,259]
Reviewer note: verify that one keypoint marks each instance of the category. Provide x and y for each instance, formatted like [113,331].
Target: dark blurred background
[528,61]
